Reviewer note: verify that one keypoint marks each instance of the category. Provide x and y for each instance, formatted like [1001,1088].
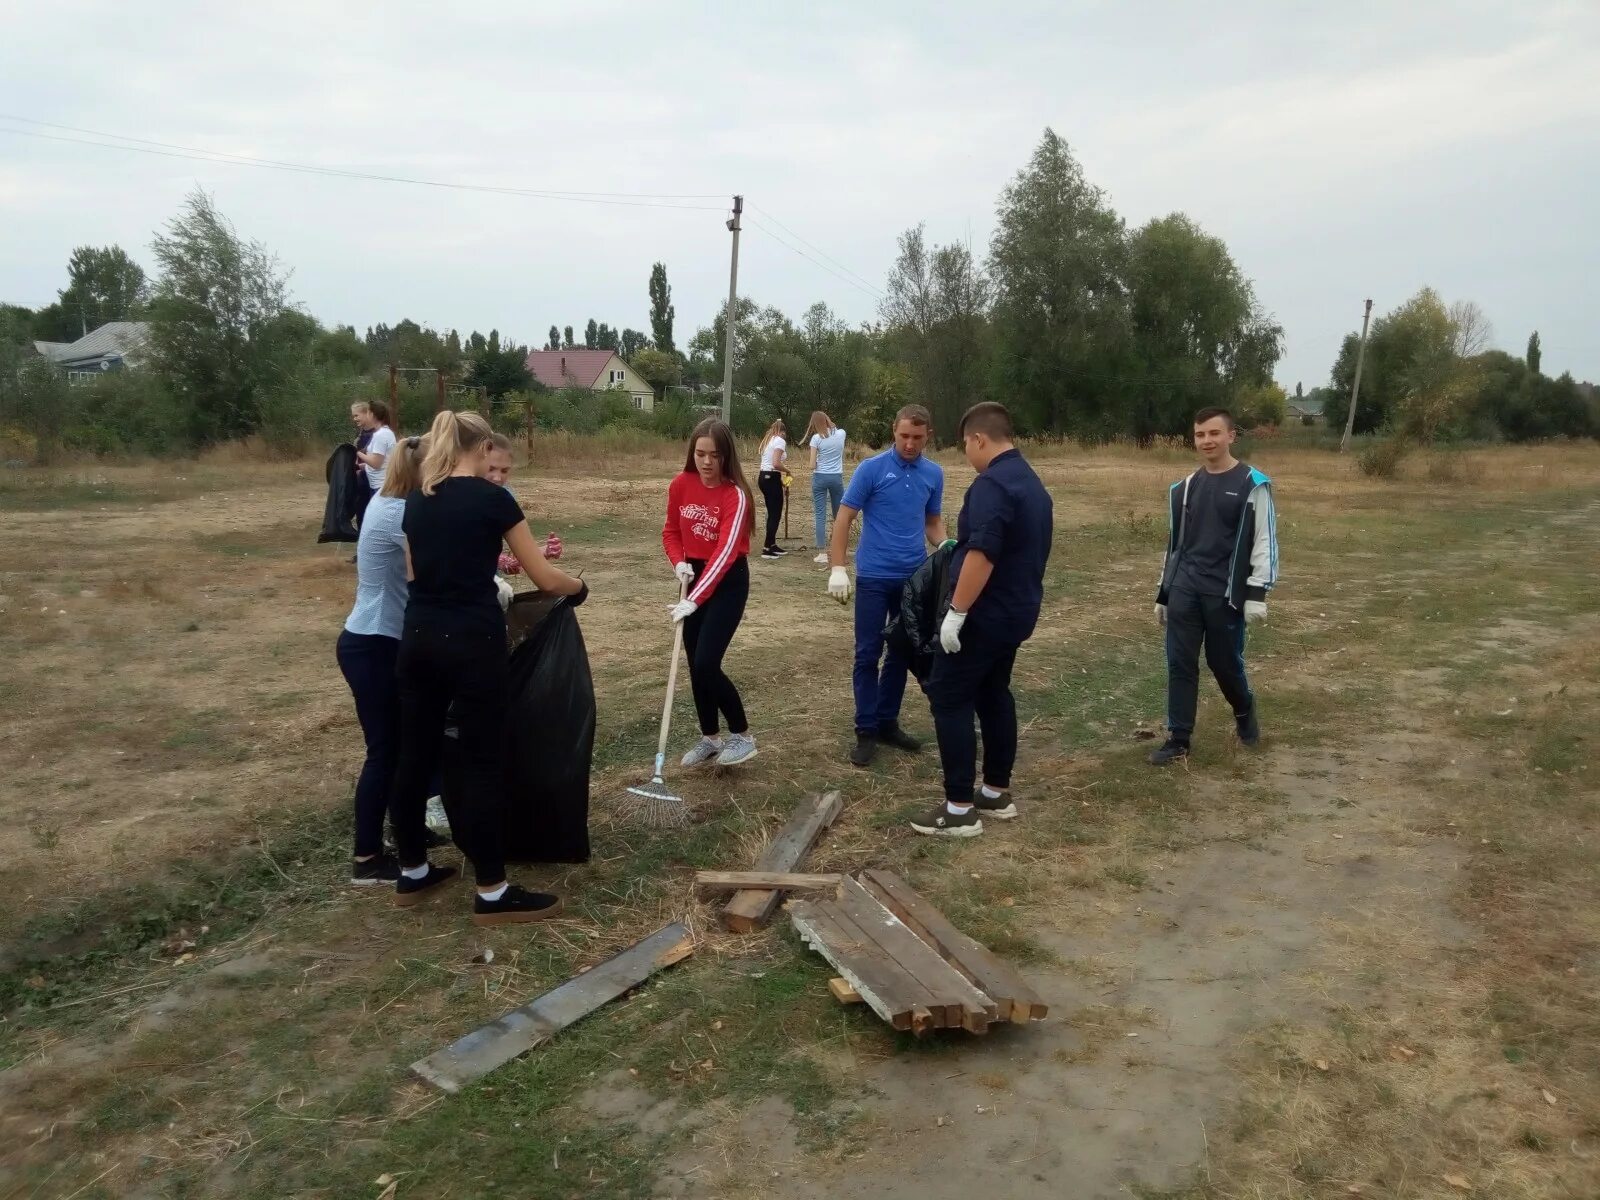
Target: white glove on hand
[683,609]
[839,584]
[1254,610]
[1161,613]
[505,592]
[684,572]
[950,631]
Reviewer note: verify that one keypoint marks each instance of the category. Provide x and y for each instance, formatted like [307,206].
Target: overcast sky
[1341,150]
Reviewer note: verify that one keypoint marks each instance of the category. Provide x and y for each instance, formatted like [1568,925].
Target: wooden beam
[881,984]
[714,882]
[843,992]
[753,908]
[497,1043]
[995,978]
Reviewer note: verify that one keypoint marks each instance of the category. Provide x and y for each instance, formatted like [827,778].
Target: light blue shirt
[830,452]
[895,498]
[381,588]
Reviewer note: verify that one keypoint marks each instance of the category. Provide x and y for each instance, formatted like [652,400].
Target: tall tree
[1535,355]
[1473,330]
[662,312]
[591,334]
[606,338]
[555,339]
[566,338]
[1405,347]
[936,309]
[631,342]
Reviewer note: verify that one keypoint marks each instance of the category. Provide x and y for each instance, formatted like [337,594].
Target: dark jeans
[771,484]
[974,683]
[706,636]
[468,676]
[364,495]
[878,692]
[1193,620]
[367,661]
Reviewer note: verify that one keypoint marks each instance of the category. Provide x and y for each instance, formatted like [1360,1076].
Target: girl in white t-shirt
[827,476]
[373,417]
[774,460]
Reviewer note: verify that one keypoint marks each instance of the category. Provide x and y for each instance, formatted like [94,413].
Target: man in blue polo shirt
[1002,546]
[898,493]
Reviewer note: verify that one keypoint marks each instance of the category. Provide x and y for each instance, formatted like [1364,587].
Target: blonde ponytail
[402,470]
[453,435]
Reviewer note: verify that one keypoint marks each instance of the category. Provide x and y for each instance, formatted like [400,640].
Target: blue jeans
[878,692]
[1194,621]
[368,664]
[831,486]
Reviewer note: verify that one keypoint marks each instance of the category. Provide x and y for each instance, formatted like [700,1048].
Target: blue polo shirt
[1009,516]
[896,498]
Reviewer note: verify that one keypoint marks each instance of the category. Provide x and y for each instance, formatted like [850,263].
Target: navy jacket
[1008,515]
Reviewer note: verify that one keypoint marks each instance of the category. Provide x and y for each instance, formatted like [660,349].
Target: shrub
[1381,457]
[1449,465]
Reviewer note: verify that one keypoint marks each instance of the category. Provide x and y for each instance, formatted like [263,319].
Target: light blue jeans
[831,486]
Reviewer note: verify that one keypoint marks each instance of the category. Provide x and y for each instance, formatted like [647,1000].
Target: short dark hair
[380,409]
[1207,414]
[989,418]
[914,413]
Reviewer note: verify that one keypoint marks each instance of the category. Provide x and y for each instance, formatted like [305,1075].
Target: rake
[653,804]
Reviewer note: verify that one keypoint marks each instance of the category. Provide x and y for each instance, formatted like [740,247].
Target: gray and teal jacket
[1253,569]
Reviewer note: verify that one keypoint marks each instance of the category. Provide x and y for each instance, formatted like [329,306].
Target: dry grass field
[1362,960]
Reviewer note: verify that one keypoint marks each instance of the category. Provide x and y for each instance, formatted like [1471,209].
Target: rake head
[651,804]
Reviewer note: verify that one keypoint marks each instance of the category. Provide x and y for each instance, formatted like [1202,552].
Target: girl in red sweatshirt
[707,537]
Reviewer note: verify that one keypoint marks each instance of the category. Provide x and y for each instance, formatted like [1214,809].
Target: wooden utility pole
[394,396]
[1355,388]
[733,304]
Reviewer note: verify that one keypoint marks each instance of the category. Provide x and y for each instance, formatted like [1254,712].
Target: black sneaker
[941,822]
[408,891]
[771,552]
[1171,751]
[516,906]
[893,735]
[380,868]
[1249,728]
[866,746]
[1000,808]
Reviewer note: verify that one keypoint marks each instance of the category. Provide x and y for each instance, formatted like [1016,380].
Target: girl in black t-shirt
[453,653]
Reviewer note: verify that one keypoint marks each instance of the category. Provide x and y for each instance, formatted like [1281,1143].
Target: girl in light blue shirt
[827,476]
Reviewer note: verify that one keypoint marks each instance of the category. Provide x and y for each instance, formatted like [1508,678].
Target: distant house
[1306,406]
[115,345]
[592,370]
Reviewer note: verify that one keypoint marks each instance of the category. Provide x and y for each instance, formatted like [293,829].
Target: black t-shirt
[1211,530]
[455,537]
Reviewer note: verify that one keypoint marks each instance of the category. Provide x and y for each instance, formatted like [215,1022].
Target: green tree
[500,370]
[103,284]
[936,314]
[631,342]
[606,338]
[566,338]
[1417,334]
[340,350]
[16,325]
[591,334]
[1535,355]
[659,368]
[554,342]
[662,312]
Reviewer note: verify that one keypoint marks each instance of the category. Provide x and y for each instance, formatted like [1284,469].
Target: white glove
[683,609]
[504,589]
[684,572]
[950,631]
[1254,610]
[839,584]
[1161,613]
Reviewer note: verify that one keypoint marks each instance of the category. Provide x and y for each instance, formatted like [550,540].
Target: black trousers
[976,683]
[771,484]
[707,634]
[368,664]
[1193,621]
[364,495]
[468,676]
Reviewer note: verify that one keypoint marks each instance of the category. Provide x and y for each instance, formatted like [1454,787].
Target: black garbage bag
[923,601]
[339,516]
[550,724]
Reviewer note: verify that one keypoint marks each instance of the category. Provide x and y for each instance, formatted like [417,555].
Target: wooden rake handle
[672,680]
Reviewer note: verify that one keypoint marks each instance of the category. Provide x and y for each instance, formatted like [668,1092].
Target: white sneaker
[702,752]
[740,747]
[821,559]
[435,818]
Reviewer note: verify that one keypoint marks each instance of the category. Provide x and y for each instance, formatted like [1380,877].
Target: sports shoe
[702,751]
[739,748]
[771,552]
[1170,751]
[515,907]
[408,891]
[1000,807]
[941,822]
[380,868]
[435,817]
[1249,728]
[821,559]
[865,748]
[893,735]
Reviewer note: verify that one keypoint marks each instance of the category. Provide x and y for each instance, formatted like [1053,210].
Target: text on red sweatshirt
[709,524]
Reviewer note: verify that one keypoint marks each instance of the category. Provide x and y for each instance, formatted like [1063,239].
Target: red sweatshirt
[711,525]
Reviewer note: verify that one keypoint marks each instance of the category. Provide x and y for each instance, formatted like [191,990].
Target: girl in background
[827,476]
[774,457]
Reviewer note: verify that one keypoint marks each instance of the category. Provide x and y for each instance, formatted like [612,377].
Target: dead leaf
[716,1027]
[1321,1064]
[1353,1190]
[388,1192]
[1402,1053]
[36,981]
[383,1180]
[1458,1181]
[1549,1096]
[1008,902]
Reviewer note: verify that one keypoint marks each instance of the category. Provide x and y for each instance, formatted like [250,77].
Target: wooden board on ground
[843,992]
[874,976]
[497,1043]
[753,908]
[713,882]
[995,978]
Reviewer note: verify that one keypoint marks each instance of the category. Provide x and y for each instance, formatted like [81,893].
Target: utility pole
[1355,388]
[733,302]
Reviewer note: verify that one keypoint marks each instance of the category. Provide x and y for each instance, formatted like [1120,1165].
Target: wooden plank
[753,908]
[498,1042]
[843,992]
[712,882]
[916,994]
[965,1006]
[990,974]
[881,984]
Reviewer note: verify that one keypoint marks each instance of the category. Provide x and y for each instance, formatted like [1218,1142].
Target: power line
[810,245]
[818,263]
[169,150]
